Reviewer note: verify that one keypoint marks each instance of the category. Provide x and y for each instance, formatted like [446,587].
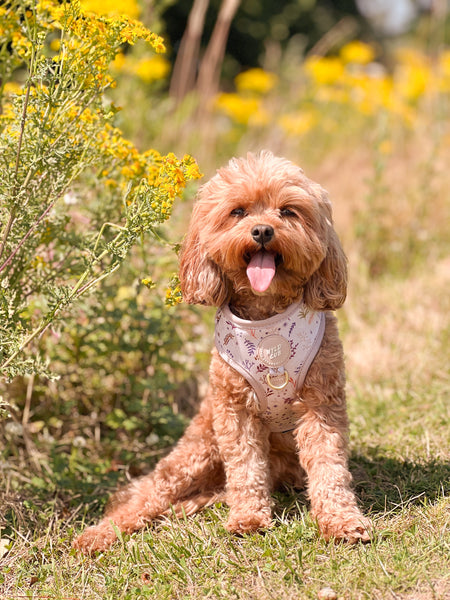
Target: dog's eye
[287,212]
[238,212]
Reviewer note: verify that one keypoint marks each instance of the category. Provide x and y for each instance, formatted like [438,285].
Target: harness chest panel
[273,355]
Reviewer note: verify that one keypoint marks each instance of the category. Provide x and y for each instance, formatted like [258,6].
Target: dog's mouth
[261,269]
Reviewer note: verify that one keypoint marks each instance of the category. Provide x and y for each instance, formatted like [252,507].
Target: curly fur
[227,452]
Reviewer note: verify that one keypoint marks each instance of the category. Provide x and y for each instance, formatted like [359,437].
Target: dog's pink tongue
[261,270]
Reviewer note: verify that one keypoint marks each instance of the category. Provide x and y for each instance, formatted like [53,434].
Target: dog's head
[260,226]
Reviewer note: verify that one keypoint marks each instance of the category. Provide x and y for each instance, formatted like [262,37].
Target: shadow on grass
[384,484]
[81,489]
[60,489]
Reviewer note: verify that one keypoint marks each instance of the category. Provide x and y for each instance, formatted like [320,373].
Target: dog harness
[273,355]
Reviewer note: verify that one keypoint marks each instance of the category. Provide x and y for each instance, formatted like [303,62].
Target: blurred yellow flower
[246,111]
[413,75]
[55,44]
[152,68]
[324,70]
[255,80]
[298,123]
[413,81]
[11,87]
[357,52]
[119,61]
[369,93]
[112,7]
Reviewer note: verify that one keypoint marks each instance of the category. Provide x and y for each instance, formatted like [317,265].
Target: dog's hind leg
[190,477]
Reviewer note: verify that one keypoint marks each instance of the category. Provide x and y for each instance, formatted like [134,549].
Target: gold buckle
[278,387]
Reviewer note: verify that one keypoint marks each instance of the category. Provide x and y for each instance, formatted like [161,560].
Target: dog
[262,248]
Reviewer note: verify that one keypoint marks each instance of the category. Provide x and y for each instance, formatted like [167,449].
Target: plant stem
[12,216]
[27,235]
[76,292]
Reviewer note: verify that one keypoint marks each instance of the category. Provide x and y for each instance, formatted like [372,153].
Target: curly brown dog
[261,247]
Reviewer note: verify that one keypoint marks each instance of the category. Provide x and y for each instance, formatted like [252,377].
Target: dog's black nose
[262,234]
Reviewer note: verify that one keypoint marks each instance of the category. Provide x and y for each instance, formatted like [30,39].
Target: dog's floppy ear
[326,289]
[201,279]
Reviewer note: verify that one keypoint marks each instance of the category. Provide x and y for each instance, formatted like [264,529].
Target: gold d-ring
[278,387]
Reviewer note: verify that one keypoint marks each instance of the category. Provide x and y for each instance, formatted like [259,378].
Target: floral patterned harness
[273,355]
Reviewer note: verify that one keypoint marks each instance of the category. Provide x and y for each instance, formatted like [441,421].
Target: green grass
[400,465]
[196,558]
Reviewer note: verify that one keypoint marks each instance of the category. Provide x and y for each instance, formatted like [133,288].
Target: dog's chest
[274,356]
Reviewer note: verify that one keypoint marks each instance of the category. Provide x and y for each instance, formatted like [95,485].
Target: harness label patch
[274,351]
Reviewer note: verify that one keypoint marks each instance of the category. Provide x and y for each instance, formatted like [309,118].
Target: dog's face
[260,226]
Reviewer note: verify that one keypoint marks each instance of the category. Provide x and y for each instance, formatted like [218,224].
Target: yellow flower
[357,52]
[119,62]
[324,71]
[369,93]
[112,7]
[242,110]
[413,81]
[55,45]
[255,80]
[173,292]
[413,76]
[152,68]
[298,123]
[191,167]
[11,87]
[127,172]
[38,262]
[148,282]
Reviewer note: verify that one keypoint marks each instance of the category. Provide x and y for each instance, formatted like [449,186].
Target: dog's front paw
[242,522]
[95,538]
[351,527]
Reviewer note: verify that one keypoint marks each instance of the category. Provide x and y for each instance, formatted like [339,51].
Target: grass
[197,558]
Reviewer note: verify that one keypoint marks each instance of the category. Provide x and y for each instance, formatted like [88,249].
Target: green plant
[76,196]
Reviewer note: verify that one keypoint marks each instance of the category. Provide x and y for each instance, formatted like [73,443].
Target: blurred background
[357,93]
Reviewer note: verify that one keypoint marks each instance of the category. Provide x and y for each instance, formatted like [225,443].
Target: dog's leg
[193,468]
[322,444]
[244,447]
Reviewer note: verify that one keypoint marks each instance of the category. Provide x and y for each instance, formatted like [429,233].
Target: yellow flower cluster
[324,70]
[366,86]
[357,53]
[242,109]
[170,179]
[246,106]
[173,292]
[88,43]
[147,68]
[350,81]
[112,7]
[257,81]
